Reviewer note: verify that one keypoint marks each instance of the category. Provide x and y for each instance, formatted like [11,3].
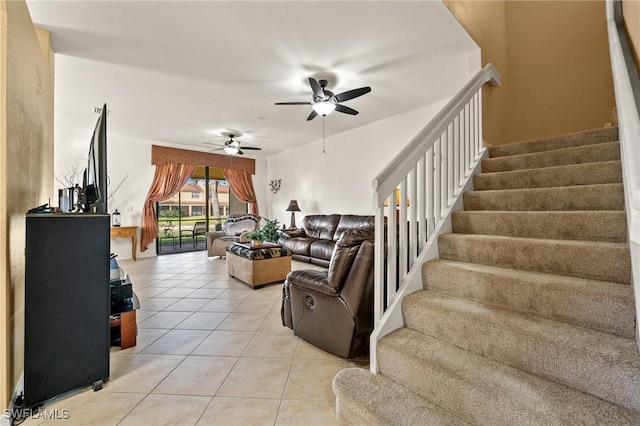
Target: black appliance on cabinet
[67,304]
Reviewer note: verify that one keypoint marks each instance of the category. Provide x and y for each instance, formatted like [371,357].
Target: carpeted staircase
[527,318]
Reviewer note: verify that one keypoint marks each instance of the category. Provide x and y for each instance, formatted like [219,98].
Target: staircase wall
[26,167]
[554,61]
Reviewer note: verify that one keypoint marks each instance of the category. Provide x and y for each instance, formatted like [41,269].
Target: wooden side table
[127,232]
[128,328]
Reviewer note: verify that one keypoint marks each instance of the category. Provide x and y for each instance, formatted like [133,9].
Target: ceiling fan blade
[350,94]
[346,109]
[292,103]
[252,147]
[312,116]
[240,152]
[211,143]
[317,89]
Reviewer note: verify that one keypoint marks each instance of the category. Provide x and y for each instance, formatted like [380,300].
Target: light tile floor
[210,351]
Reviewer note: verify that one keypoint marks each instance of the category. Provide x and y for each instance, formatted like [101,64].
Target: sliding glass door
[202,204]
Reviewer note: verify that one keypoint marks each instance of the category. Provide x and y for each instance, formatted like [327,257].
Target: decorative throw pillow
[237,228]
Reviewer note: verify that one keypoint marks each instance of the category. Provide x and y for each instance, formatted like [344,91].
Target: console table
[127,232]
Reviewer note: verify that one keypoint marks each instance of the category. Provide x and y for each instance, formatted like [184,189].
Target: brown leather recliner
[333,309]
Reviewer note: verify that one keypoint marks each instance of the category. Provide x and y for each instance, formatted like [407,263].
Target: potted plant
[271,231]
[256,238]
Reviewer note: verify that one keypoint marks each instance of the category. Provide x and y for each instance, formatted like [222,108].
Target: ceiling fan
[324,101]
[232,147]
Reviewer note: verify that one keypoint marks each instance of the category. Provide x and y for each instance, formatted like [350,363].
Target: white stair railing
[414,196]
[626,84]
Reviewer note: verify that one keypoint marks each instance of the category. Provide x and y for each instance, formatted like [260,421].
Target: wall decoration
[275,185]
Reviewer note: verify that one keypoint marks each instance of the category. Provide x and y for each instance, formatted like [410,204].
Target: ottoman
[258,266]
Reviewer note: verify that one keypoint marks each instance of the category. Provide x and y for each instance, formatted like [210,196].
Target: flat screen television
[95,175]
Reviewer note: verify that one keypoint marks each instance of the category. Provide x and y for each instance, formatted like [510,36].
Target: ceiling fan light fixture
[324,107]
[231,150]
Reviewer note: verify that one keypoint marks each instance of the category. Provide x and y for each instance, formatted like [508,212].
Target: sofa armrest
[310,279]
[215,234]
[294,233]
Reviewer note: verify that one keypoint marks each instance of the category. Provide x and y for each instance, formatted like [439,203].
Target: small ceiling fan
[324,101]
[232,147]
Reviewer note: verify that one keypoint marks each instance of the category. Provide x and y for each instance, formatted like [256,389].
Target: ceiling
[182,73]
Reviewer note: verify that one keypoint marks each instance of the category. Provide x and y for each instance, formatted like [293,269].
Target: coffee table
[258,265]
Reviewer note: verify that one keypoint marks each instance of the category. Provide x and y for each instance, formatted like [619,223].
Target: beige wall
[631,15]
[26,157]
[554,60]
[485,21]
[559,68]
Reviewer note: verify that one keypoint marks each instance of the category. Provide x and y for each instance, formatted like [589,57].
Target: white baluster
[422,203]
[429,192]
[413,218]
[437,188]
[392,242]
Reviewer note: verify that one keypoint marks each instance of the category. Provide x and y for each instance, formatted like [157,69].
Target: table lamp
[293,208]
[397,199]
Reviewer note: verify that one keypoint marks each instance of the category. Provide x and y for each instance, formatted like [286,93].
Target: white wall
[125,156]
[337,181]
[340,179]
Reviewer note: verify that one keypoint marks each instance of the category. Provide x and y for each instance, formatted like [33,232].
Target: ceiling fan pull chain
[323,142]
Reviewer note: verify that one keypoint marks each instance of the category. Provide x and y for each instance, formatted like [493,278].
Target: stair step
[583,259]
[592,362]
[486,392]
[587,137]
[560,157]
[601,225]
[363,398]
[573,174]
[599,305]
[528,316]
[609,196]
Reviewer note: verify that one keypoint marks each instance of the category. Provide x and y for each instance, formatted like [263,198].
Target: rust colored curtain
[242,185]
[168,180]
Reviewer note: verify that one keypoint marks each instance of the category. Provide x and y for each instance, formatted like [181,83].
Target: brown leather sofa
[333,309]
[315,241]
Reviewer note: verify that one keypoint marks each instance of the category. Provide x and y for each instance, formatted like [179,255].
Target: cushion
[238,227]
[349,221]
[258,254]
[320,226]
[322,249]
[237,217]
[299,245]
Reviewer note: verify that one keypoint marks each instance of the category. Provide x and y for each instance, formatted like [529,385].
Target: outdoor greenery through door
[202,205]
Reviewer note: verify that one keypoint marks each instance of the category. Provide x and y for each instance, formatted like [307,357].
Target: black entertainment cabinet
[67,303]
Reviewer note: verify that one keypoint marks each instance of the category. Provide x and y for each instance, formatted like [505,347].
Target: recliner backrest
[357,292]
[344,253]
[321,226]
